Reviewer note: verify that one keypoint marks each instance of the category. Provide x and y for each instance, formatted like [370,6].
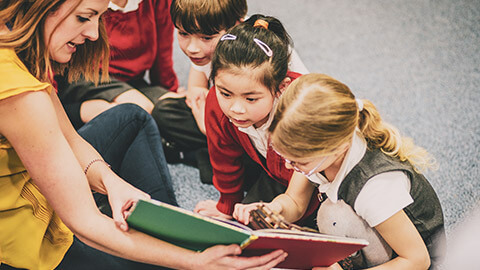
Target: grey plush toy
[341,220]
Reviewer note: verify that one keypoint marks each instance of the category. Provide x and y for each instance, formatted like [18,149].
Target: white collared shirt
[259,136]
[131,5]
[382,196]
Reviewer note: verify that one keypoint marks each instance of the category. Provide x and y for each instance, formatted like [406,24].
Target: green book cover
[182,227]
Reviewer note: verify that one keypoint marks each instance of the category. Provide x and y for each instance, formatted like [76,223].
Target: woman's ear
[283,85]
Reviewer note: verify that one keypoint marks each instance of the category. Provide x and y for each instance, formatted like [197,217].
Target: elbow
[422,261]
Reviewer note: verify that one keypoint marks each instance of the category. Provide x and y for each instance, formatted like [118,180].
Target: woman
[47,171]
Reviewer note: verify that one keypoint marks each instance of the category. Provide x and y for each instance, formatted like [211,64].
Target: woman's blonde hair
[26,19]
[317,114]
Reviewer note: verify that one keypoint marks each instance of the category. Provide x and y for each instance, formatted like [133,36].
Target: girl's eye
[82,19]
[252,99]
[225,94]
[207,38]
[183,34]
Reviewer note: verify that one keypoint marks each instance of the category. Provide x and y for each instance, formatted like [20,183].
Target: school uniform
[227,144]
[371,187]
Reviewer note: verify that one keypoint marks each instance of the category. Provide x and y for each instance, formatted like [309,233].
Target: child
[47,171]
[249,70]
[200,24]
[365,169]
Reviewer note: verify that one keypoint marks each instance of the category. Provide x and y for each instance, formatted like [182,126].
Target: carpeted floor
[418,61]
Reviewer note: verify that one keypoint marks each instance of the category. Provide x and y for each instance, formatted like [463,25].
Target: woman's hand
[226,257]
[209,208]
[122,196]
[334,266]
[242,211]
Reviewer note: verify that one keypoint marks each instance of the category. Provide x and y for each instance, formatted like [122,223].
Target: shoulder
[15,78]
[293,75]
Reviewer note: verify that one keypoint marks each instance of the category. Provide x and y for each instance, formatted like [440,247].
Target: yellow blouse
[32,236]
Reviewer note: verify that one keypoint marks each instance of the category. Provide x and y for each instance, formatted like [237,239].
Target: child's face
[244,100]
[199,48]
[68,30]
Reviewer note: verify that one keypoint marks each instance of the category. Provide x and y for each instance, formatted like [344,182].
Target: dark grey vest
[425,212]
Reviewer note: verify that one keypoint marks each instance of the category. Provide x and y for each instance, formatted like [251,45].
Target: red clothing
[226,145]
[142,40]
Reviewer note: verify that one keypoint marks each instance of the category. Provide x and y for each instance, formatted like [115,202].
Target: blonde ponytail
[387,138]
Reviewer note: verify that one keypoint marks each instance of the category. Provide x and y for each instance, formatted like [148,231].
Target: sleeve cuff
[226,203]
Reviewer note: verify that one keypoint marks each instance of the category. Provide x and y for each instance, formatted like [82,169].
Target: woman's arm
[30,123]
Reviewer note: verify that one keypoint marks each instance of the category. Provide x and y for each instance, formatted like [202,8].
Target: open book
[196,232]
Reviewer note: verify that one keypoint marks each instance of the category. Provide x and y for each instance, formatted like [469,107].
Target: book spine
[248,241]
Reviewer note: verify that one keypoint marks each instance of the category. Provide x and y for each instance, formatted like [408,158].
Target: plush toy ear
[283,85]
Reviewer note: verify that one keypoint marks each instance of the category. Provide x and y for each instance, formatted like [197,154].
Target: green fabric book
[185,228]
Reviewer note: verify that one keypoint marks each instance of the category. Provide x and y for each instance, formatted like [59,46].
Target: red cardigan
[142,40]
[226,145]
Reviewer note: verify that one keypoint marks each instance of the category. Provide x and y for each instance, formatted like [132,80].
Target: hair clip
[261,23]
[228,37]
[264,47]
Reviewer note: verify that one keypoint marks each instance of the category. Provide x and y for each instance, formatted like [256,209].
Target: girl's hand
[209,208]
[121,196]
[226,257]
[242,211]
[334,266]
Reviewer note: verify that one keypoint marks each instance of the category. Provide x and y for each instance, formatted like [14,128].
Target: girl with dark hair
[249,72]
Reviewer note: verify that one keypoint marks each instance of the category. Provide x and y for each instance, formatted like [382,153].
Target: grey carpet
[418,61]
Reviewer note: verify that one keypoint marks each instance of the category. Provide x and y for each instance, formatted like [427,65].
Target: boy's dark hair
[244,49]
[207,17]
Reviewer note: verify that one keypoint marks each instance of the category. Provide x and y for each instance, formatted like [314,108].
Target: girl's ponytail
[387,138]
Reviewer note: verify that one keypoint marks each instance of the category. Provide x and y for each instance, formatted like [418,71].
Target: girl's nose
[237,107]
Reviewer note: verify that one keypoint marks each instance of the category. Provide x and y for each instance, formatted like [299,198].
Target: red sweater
[226,145]
[142,40]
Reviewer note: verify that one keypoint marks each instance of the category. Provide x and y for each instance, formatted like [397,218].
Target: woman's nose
[91,31]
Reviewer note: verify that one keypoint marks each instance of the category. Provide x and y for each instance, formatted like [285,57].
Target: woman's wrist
[97,171]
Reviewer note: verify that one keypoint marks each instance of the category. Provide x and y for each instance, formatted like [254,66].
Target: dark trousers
[183,140]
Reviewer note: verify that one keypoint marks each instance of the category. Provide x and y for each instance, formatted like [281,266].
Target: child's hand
[195,93]
[242,211]
[198,111]
[209,208]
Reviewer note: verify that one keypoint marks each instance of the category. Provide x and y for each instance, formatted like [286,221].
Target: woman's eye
[183,34]
[252,99]
[207,38]
[82,19]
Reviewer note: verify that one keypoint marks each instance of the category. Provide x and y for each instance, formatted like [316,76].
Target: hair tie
[359,104]
[228,37]
[261,23]
[264,47]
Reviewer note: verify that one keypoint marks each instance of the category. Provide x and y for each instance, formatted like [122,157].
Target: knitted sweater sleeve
[162,72]
[225,155]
